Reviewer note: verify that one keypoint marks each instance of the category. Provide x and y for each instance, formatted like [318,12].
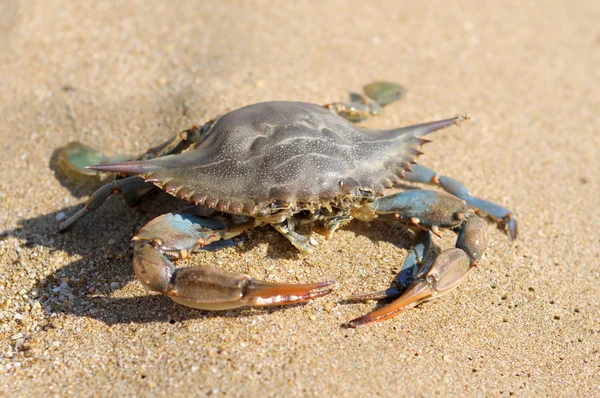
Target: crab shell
[292,155]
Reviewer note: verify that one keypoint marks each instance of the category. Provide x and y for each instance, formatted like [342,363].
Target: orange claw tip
[265,294]
[414,296]
[377,316]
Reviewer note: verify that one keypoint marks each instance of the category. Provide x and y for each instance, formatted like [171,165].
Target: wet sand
[121,78]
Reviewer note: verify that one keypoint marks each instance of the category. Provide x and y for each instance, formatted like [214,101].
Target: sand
[122,76]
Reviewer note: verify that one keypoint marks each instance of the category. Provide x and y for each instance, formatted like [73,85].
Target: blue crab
[285,164]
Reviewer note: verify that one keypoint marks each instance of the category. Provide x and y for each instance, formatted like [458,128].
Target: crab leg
[207,288]
[176,144]
[498,213]
[431,210]
[75,156]
[79,157]
[359,108]
[447,272]
[125,185]
[300,242]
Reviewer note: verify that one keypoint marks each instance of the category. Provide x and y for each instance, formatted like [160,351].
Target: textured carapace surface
[289,152]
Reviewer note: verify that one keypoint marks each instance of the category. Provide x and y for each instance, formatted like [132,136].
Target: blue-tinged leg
[125,185]
[208,288]
[498,213]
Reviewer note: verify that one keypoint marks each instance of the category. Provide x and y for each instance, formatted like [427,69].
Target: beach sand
[124,76]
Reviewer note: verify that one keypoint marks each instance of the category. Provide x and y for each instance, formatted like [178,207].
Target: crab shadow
[99,271]
[93,283]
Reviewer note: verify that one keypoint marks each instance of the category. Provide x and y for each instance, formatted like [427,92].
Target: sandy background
[122,77]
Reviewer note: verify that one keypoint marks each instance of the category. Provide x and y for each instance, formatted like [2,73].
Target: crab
[287,164]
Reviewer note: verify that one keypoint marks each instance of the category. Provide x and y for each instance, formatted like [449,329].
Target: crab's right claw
[213,289]
[447,272]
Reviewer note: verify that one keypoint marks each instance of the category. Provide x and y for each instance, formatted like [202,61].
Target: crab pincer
[211,288]
[449,269]
[207,288]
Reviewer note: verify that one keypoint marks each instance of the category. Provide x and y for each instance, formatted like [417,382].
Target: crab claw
[210,288]
[447,271]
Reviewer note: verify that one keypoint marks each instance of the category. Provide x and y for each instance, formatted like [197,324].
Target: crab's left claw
[448,270]
[207,288]
[210,288]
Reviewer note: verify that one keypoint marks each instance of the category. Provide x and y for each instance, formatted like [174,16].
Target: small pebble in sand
[19,344]
[61,216]
[114,285]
